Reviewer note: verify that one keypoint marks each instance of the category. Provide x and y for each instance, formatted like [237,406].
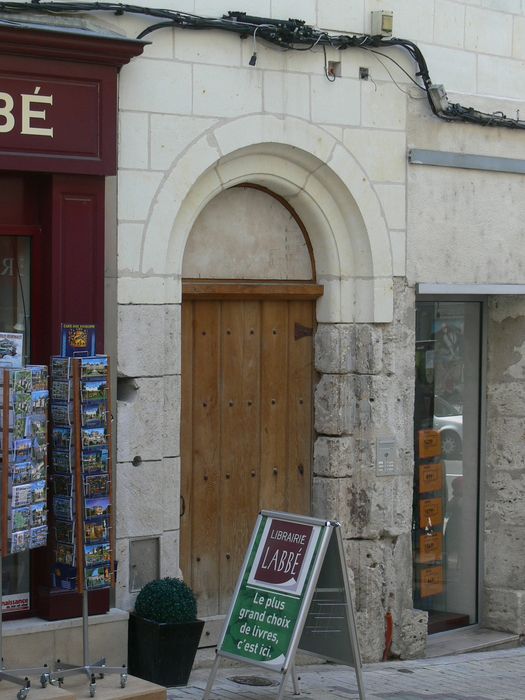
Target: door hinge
[302,331]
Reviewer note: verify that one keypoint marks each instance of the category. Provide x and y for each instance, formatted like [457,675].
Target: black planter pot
[162,652]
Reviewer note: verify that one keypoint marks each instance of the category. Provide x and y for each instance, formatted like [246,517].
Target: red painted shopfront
[58,142]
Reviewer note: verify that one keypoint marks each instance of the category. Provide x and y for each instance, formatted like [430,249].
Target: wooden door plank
[300,351]
[240,337]
[186,440]
[274,393]
[206,432]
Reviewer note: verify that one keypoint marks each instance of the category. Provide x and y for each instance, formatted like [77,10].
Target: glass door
[446,484]
[15,317]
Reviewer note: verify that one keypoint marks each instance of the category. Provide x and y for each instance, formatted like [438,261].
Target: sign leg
[282,686]
[295,681]
[360,683]
[211,678]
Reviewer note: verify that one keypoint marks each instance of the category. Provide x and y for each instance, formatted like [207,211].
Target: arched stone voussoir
[325,185]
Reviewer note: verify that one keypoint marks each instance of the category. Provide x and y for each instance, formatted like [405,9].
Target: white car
[448,420]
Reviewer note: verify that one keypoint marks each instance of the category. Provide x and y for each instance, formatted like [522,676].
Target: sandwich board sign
[292,594]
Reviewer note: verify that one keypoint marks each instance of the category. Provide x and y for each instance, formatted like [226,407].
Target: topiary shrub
[166,600]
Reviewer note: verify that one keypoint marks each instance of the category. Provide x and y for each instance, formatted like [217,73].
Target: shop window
[446,484]
[51,271]
[15,317]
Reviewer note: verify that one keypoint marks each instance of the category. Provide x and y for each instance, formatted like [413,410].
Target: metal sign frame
[325,532]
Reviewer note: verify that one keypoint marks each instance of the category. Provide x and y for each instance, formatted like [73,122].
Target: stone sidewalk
[497,675]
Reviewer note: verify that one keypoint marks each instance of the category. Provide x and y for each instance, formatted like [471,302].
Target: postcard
[61,391]
[94,390]
[62,413]
[61,368]
[39,490]
[93,414]
[22,404]
[39,451]
[62,484]
[39,400]
[38,470]
[21,495]
[40,377]
[38,429]
[97,553]
[65,554]
[93,437]
[38,514]
[21,425]
[95,460]
[61,437]
[98,576]
[96,366]
[21,473]
[62,461]
[77,340]
[96,508]
[20,519]
[65,532]
[11,349]
[19,541]
[22,450]
[63,507]
[96,531]
[38,537]
[22,381]
[96,485]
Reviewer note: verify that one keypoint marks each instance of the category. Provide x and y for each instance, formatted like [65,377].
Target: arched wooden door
[246,422]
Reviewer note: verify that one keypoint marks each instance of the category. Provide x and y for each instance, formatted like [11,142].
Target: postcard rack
[82,482]
[23,483]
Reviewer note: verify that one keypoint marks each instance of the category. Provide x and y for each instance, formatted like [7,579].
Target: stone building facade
[382,233]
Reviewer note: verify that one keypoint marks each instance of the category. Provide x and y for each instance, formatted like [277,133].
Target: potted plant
[164,633]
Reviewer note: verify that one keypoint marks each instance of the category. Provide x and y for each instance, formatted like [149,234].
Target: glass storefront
[446,484]
[15,316]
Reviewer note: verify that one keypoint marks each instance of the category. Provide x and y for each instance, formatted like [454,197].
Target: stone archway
[307,167]
[337,203]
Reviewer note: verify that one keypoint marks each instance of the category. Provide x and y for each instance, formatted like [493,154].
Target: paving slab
[491,675]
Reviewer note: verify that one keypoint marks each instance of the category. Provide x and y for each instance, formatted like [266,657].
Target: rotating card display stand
[83,410]
[24,465]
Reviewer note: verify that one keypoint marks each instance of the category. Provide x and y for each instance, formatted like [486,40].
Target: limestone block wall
[365,392]
[148,449]
[504,528]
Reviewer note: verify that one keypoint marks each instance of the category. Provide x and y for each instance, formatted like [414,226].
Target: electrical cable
[384,55]
[405,92]
[329,76]
[291,34]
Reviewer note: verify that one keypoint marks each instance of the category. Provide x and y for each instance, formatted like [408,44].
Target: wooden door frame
[240,290]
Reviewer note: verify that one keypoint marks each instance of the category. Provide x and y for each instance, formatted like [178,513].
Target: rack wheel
[123,680]
[44,679]
[23,692]
[92,686]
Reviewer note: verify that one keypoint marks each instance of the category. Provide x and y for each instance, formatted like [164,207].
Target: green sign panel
[292,593]
[271,590]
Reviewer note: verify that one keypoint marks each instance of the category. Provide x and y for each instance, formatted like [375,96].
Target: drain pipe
[389,635]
